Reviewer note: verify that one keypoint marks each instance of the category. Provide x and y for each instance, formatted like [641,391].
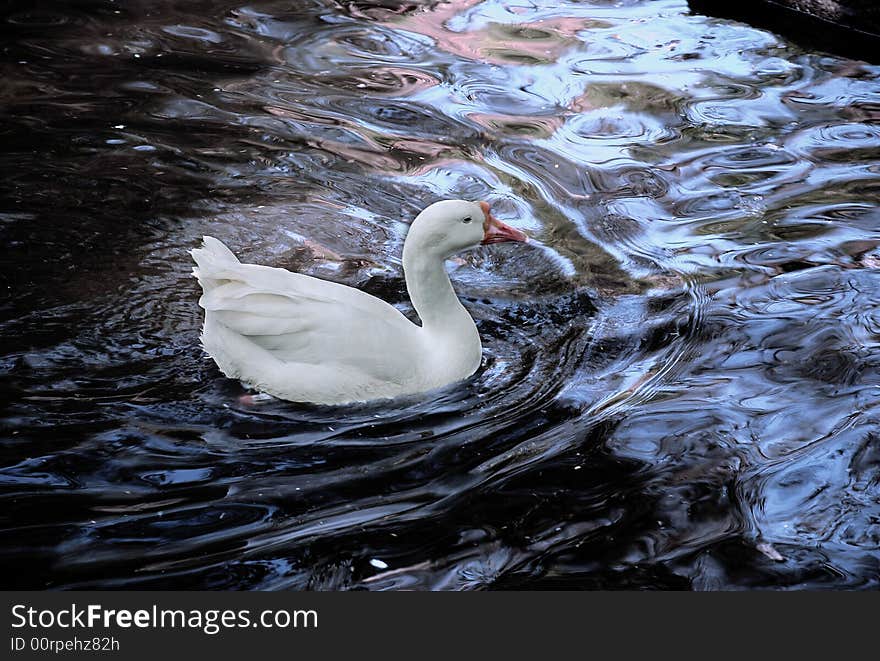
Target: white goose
[308,340]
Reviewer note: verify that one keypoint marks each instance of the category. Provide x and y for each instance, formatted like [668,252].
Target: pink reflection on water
[538,41]
[396,81]
[524,126]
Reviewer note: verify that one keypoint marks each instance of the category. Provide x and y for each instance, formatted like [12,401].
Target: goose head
[452,226]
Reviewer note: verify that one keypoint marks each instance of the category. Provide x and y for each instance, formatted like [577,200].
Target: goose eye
[466,220]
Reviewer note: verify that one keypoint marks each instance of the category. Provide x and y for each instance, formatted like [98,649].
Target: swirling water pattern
[680,385]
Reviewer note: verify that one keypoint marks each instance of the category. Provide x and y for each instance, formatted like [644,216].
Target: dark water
[679,390]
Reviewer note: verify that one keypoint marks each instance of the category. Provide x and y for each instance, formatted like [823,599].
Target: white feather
[304,339]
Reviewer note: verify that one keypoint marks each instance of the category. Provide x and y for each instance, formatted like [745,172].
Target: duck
[308,340]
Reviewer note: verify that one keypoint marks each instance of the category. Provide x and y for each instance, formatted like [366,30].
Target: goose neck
[430,290]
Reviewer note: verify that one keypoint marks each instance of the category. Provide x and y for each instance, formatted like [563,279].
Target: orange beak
[494,231]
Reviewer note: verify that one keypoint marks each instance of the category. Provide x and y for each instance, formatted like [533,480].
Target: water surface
[680,382]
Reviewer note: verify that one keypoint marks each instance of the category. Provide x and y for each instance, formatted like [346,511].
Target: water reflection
[680,381]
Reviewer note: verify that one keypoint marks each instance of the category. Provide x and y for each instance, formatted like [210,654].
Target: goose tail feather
[214,261]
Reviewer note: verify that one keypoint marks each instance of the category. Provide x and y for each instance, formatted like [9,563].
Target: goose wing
[303,319]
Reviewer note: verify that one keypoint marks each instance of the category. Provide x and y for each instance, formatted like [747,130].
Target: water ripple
[679,386]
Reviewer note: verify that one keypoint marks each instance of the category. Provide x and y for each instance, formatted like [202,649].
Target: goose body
[304,339]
